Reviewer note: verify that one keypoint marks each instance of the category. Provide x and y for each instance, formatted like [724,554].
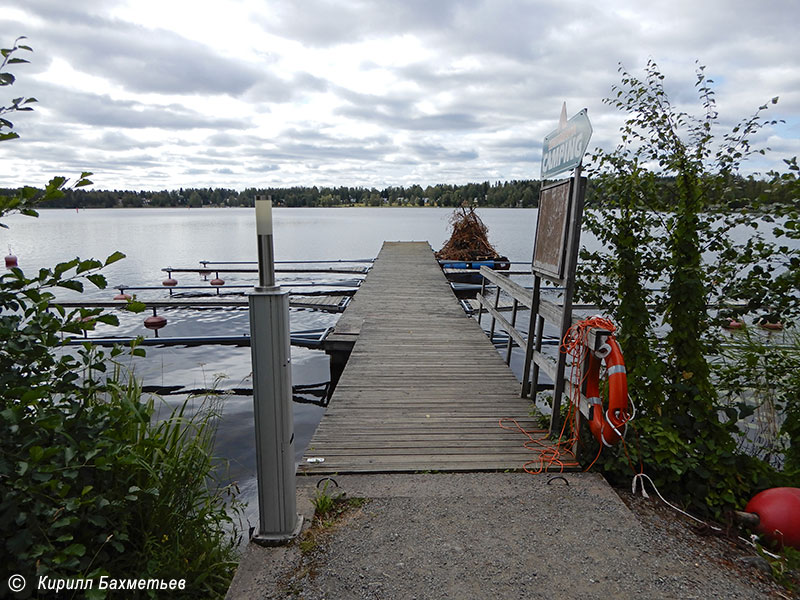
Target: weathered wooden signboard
[551,229]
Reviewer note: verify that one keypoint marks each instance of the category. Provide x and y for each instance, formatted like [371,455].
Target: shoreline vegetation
[740,193]
[94,481]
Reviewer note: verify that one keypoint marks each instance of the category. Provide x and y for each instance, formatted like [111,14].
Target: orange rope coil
[608,426]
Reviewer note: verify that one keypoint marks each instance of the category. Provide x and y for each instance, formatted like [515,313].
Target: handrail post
[510,337]
[272,395]
[496,307]
[482,298]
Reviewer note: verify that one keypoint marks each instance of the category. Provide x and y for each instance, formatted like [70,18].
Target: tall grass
[113,491]
[183,522]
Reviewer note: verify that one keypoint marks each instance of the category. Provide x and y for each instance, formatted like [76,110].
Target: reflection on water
[156,238]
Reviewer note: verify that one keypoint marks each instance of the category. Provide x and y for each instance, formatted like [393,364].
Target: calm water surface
[156,238]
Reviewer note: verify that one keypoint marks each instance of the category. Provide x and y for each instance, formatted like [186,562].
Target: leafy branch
[27,198]
[6,78]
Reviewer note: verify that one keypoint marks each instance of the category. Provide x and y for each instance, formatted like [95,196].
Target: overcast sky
[161,94]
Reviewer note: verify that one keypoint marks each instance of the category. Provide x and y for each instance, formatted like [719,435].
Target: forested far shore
[510,194]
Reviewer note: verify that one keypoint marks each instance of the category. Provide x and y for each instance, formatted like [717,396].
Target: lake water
[156,238]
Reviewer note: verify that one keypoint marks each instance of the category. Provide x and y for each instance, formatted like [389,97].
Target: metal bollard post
[272,395]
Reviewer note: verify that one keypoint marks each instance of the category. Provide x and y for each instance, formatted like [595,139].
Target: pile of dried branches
[469,240]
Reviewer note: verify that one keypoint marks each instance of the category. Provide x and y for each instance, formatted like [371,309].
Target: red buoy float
[170,282]
[155,322]
[11,260]
[217,282]
[733,324]
[122,296]
[778,510]
[770,321]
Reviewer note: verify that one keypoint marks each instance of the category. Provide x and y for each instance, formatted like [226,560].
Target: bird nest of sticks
[469,240]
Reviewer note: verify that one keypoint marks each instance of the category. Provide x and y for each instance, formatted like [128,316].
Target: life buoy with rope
[607,426]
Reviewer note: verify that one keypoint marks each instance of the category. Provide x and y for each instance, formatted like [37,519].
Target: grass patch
[329,509]
[97,487]
[329,506]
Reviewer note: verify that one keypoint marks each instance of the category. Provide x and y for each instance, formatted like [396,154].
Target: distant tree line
[509,194]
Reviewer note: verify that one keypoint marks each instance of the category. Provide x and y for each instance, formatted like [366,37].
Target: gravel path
[497,535]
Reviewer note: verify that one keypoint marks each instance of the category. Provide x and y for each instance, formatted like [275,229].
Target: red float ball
[11,261]
[216,282]
[170,282]
[155,322]
[122,296]
[779,512]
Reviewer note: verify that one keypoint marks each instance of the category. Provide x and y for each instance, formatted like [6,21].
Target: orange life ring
[608,426]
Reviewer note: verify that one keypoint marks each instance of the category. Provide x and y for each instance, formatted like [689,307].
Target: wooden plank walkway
[423,389]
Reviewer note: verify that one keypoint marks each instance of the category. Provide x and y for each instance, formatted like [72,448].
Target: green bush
[89,483]
[671,254]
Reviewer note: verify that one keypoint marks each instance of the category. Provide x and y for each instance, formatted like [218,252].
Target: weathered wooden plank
[430,463]
[442,441]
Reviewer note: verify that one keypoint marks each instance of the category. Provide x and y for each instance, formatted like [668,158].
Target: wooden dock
[423,388]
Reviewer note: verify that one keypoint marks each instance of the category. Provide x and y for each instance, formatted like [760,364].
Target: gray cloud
[140,59]
[398,111]
[446,121]
[117,141]
[439,152]
[145,59]
[101,110]
[324,23]
[482,85]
